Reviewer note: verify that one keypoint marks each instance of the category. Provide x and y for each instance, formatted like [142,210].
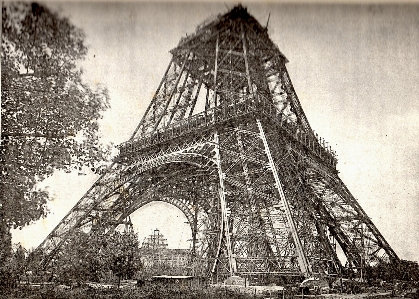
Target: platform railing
[257,105]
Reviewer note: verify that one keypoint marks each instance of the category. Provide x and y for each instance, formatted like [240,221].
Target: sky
[355,69]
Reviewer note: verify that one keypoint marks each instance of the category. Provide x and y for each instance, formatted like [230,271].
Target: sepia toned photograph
[209,150]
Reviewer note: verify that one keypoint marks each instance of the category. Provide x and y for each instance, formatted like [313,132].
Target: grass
[49,292]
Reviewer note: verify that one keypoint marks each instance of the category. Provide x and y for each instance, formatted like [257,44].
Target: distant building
[158,259]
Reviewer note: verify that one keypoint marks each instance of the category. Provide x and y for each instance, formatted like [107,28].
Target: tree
[401,270]
[81,259]
[124,254]
[90,256]
[13,267]
[49,115]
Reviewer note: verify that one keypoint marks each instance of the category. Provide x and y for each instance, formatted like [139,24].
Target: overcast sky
[354,68]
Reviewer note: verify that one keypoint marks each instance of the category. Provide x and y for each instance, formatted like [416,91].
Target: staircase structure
[225,140]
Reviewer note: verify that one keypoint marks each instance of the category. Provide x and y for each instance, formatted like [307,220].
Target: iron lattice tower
[226,141]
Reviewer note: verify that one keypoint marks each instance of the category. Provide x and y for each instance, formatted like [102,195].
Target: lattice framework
[258,187]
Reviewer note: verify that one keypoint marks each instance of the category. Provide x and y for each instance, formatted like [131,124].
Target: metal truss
[259,189]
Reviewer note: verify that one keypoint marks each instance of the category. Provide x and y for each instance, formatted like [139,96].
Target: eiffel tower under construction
[225,140]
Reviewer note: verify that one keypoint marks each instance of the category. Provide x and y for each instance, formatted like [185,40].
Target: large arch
[188,181]
[195,195]
[162,216]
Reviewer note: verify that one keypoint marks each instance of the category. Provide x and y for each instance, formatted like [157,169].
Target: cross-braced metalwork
[259,189]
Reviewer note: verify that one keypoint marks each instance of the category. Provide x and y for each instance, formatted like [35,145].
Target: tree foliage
[49,114]
[124,254]
[93,256]
[402,270]
[13,268]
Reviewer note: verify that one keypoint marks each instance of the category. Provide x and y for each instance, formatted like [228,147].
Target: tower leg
[302,259]
[225,229]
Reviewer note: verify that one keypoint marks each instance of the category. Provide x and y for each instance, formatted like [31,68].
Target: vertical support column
[302,259]
[216,69]
[246,62]
[207,101]
[223,204]
[169,99]
[178,100]
[243,158]
[195,98]
[195,220]
[253,216]
[329,247]
[252,204]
